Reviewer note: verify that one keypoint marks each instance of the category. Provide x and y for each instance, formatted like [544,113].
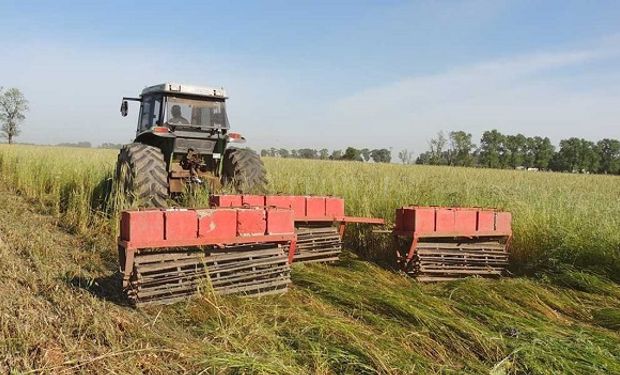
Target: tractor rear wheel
[141,175]
[244,170]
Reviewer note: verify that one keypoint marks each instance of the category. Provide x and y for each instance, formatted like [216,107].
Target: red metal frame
[417,223]
[332,211]
[152,229]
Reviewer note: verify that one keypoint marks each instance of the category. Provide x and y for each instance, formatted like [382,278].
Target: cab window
[151,112]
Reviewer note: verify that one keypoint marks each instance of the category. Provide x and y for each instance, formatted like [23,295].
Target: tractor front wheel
[244,170]
[141,175]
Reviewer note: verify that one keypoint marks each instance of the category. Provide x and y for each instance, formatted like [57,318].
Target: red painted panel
[181,225]
[298,205]
[280,221]
[217,223]
[424,221]
[465,220]
[444,221]
[251,222]
[225,200]
[486,221]
[280,201]
[503,222]
[142,225]
[334,206]
[253,200]
[315,206]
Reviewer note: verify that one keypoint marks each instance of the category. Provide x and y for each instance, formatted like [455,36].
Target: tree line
[497,150]
[380,155]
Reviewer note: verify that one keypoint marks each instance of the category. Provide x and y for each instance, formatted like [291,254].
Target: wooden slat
[317,244]
[170,277]
[435,261]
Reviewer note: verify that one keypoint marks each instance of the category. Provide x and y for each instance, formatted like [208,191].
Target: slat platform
[167,277]
[441,261]
[317,244]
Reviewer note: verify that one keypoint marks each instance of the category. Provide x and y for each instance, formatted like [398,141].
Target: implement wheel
[244,170]
[141,175]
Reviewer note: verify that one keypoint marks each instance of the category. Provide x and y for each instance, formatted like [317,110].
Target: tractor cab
[187,126]
[181,107]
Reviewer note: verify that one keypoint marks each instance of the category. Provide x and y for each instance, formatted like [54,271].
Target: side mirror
[124,108]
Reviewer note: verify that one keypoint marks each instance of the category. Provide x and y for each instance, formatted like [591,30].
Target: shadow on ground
[105,287]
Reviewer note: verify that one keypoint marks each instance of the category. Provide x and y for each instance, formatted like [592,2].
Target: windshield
[205,114]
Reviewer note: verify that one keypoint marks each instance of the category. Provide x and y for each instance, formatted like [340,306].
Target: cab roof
[179,89]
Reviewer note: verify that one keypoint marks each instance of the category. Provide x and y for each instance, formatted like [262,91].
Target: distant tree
[336,155]
[475,156]
[491,149]
[460,149]
[437,146]
[284,153]
[424,158]
[609,155]
[567,157]
[307,153]
[529,153]
[381,155]
[351,153]
[577,155]
[294,154]
[514,146]
[264,153]
[76,144]
[543,151]
[324,154]
[365,154]
[405,156]
[115,146]
[13,106]
[591,159]
[557,163]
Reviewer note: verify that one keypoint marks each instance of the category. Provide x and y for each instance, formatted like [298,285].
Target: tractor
[182,142]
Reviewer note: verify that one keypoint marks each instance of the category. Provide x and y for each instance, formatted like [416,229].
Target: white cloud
[533,94]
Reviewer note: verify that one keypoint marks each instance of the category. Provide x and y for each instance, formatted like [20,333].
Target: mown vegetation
[60,309]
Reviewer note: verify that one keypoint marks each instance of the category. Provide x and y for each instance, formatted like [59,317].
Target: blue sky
[315,74]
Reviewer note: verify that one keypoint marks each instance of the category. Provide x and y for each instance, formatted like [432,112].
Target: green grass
[60,310]
[562,218]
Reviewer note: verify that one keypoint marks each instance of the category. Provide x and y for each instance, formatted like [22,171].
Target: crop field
[60,307]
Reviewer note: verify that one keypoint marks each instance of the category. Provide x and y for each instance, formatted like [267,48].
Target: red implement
[449,243]
[167,255]
[319,221]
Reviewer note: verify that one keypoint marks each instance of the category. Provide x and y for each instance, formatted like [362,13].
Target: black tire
[141,175]
[244,170]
